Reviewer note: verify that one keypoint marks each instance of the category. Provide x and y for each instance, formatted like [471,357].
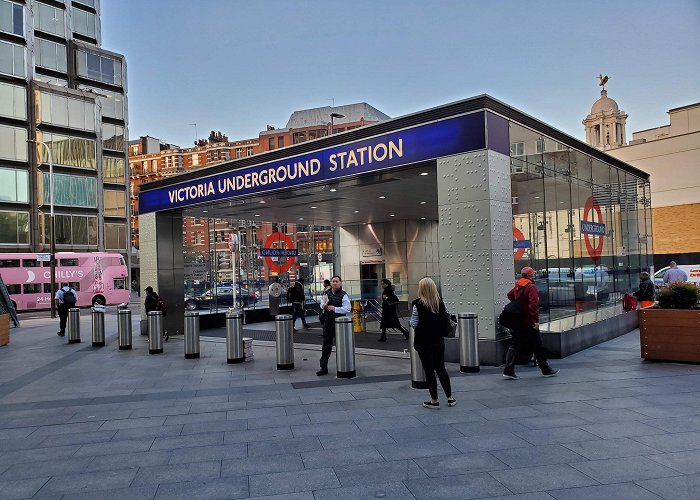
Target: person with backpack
[66,297]
[525,330]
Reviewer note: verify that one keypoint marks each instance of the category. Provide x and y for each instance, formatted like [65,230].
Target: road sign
[43,257]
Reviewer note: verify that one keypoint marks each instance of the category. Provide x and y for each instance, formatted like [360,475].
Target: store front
[467,193]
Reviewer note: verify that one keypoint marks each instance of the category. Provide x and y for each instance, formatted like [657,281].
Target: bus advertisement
[99,278]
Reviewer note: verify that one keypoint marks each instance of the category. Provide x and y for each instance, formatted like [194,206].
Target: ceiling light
[205,211]
[424,173]
[261,201]
[422,218]
[422,203]
[337,222]
[392,215]
[382,197]
[356,212]
[537,197]
[301,218]
[257,215]
[332,190]
[314,207]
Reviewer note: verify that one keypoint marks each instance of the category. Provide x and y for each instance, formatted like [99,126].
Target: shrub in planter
[679,296]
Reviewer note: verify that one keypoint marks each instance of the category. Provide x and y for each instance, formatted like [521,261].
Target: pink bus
[98,277]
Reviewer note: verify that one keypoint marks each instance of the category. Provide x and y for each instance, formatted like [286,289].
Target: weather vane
[603,80]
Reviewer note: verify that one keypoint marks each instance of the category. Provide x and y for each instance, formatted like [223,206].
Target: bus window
[14,289]
[32,288]
[9,263]
[46,264]
[69,262]
[47,288]
[75,285]
[30,263]
[119,284]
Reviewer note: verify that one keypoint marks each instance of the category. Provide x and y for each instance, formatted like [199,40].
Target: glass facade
[582,224]
[14,185]
[84,23]
[50,19]
[70,190]
[68,151]
[12,58]
[99,67]
[13,101]
[13,143]
[11,18]
[113,137]
[64,111]
[115,236]
[14,227]
[115,203]
[71,230]
[51,55]
[113,170]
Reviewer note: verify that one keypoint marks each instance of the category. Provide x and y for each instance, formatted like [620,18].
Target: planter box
[670,334]
[4,329]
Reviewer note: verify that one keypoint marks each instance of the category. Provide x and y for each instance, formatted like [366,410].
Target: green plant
[679,296]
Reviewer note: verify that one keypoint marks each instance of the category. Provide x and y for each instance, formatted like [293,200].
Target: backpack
[512,314]
[162,306]
[69,298]
[629,302]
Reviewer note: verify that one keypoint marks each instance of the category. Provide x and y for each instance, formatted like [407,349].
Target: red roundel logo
[288,243]
[518,236]
[593,228]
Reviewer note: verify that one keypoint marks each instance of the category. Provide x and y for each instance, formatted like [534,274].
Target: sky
[236,66]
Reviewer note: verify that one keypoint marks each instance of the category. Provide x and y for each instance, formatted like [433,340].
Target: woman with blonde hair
[431,323]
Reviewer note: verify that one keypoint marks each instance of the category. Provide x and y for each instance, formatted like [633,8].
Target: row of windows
[70,190]
[13,143]
[51,55]
[99,67]
[36,263]
[68,151]
[46,18]
[65,111]
[112,102]
[13,101]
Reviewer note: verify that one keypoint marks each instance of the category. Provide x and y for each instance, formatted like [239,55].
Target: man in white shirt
[674,275]
[334,302]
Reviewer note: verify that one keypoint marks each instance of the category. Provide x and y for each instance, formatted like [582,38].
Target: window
[65,111]
[113,137]
[50,20]
[271,143]
[13,143]
[14,228]
[115,203]
[68,262]
[90,3]
[70,190]
[71,230]
[12,59]
[11,18]
[98,67]
[249,151]
[115,236]
[119,284]
[195,159]
[68,151]
[14,289]
[84,23]
[517,149]
[32,288]
[14,185]
[51,55]
[239,152]
[13,101]
[31,263]
[113,169]
[9,263]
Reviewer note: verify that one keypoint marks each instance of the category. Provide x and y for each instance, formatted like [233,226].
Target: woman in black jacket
[430,321]
[645,294]
[390,317]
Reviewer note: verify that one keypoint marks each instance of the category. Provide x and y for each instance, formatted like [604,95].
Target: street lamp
[52,234]
[334,116]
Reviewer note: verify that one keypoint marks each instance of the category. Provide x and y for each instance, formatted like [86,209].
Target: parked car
[221,296]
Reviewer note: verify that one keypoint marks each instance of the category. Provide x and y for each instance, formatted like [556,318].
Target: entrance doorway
[370,274]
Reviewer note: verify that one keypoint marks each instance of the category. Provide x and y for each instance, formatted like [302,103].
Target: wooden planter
[4,329]
[670,334]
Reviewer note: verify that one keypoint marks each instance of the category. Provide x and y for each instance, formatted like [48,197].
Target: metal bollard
[234,337]
[124,328]
[418,380]
[344,348]
[155,332]
[73,325]
[468,328]
[191,334]
[284,342]
[98,327]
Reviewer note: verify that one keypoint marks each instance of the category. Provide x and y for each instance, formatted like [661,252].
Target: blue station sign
[424,142]
[594,228]
[279,252]
[522,244]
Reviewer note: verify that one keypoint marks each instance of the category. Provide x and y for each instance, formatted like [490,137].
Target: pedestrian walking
[526,334]
[66,297]
[431,323]
[295,295]
[334,303]
[390,316]
[645,294]
[674,275]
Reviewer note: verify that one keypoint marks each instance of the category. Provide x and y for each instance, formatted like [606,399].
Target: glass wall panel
[115,202]
[98,67]
[11,18]
[13,101]
[66,112]
[68,151]
[74,230]
[12,58]
[14,227]
[51,55]
[112,102]
[84,23]
[70,190]
[13,143]
[113,169]
[113,137]
[14,185]
[50,19]
[115,236]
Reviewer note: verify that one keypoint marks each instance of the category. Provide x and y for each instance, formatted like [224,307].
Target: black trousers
[328,338]
[62,311]
[526,339]
[433,360]
[298,312]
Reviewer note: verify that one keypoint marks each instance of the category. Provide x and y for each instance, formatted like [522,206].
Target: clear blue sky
[238,65]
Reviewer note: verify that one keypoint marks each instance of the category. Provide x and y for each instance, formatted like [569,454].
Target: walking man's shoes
[510,376]
[61,334]
[431,405]
[322,371]
[552,372]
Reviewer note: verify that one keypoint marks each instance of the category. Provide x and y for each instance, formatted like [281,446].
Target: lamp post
[52,233]
[333,117]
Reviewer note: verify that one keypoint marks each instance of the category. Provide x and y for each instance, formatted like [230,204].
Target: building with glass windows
[467,193]
[60,88]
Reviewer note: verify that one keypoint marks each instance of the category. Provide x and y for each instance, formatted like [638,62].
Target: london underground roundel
[288,243]
[520,244]
[593,228]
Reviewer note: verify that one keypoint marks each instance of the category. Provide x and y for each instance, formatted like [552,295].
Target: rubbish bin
[344,347]
[155,332]
[284,342]
[124,328]
[73,325]
[418,380]
[234,337]
[98,326]
[468,328]
[191,334]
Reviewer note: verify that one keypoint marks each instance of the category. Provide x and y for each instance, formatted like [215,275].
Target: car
[221,296]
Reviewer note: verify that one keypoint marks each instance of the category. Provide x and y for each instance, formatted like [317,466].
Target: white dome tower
[605,125]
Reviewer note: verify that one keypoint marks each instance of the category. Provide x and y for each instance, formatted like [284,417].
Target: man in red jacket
[526,337]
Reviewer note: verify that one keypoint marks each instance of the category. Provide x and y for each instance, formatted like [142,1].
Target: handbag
[451,326]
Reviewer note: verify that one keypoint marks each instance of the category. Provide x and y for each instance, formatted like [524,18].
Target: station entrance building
[467,193]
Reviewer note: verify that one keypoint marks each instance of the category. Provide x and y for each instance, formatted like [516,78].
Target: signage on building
[520,244]
[279,252]
[196,271]
[371,251]
[288,262]
[424,142]
[593,230]
[43,257]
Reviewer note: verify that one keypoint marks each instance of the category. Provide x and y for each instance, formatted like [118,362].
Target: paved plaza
[94,423]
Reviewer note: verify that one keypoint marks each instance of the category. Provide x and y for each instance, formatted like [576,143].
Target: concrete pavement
[84,422]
